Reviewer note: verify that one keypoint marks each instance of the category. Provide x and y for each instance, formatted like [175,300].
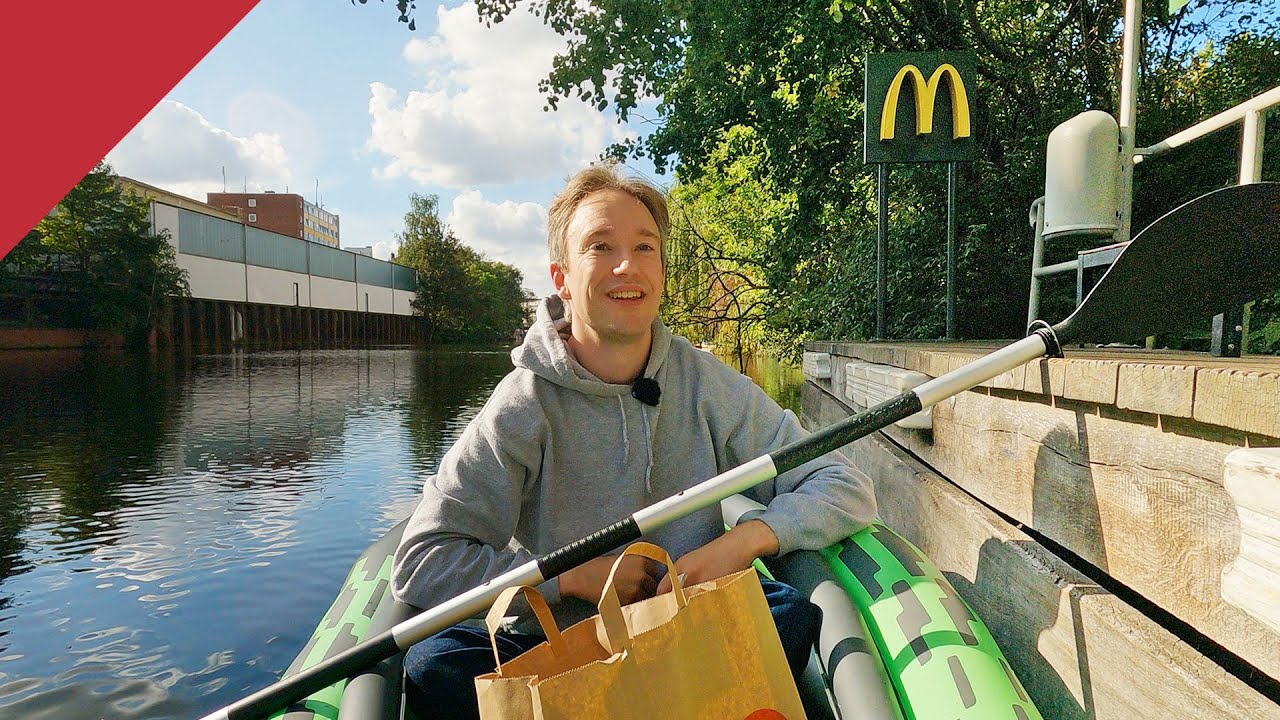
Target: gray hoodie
[557,454]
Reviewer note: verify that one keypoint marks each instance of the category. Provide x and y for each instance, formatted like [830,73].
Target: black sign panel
[919,107]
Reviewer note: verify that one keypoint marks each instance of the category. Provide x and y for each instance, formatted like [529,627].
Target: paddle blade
[1214,253]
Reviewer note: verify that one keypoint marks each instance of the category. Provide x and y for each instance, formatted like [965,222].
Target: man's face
[614,274]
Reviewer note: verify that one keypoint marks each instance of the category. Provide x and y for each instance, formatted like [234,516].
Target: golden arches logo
[926,92]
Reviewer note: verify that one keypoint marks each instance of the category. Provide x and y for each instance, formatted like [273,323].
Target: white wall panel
[333,294]
[374,299]
[213,279]
[400,300]
[275,287]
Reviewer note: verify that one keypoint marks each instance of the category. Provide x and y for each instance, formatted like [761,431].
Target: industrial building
[250,285]
[284,213]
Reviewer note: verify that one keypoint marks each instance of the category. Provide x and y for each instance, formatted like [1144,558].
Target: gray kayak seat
[847,664]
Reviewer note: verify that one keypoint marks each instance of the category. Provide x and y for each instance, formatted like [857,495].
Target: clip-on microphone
[646,390]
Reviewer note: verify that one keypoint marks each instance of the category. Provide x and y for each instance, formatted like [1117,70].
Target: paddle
[1216,252]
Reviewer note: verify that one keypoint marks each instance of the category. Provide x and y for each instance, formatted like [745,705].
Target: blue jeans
[441,670]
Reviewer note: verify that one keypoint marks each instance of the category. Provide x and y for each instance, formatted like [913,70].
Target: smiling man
[607,266]
[607,412]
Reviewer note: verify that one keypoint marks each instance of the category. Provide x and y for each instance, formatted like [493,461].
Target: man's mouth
[626,295]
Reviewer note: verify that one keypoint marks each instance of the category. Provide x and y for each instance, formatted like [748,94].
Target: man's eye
[646,247]
[598,247]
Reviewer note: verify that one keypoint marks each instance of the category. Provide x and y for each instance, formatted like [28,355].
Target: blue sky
[323,90]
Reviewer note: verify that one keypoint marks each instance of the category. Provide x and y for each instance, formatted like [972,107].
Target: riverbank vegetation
[757,108]
[93,263]
[463,296]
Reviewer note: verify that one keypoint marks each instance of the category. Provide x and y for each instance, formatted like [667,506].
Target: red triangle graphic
[78,77]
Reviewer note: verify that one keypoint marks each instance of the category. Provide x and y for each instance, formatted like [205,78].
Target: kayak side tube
[378,692]
[934,654]
[344,625]
[940,656]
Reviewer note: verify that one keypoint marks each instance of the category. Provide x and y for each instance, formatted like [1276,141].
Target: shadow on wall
[1064,501]
[1054,671]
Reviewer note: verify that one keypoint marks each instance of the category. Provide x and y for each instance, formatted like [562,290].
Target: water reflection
[780,380]
[77,429]
[171,532]
[437,400]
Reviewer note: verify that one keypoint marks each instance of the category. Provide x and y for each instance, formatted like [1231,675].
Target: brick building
[284,213]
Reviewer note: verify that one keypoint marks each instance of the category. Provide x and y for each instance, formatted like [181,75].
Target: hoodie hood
[545,352]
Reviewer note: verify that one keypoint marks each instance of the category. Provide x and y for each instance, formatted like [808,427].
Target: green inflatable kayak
[896,643]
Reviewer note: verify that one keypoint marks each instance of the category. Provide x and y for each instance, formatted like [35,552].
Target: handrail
[1253,113]
[1258,104]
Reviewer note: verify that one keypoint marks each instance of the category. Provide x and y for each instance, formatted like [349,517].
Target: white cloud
[257,111]
[510,232]
[479,118]
[384,249]
[176,148]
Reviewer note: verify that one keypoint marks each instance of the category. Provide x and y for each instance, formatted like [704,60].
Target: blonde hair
[607,176]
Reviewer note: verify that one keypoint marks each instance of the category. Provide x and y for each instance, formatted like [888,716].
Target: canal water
[172,530]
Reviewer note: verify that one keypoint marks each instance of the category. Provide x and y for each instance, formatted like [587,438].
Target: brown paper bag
[707,652]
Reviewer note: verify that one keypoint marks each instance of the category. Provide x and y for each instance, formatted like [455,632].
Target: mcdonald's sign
[919,107]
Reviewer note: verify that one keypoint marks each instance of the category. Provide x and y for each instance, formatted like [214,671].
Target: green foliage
[790,74]
[97,247]
[723,222]
[463,297]
[494,300]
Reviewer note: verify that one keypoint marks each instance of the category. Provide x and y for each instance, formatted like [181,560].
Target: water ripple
[177,528]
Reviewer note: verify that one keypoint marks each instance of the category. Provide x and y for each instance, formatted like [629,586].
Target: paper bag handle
[546,620]
[615,627]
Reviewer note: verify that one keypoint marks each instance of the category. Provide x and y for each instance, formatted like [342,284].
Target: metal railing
[1253,114]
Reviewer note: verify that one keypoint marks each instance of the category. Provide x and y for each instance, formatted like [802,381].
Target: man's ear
[557,279]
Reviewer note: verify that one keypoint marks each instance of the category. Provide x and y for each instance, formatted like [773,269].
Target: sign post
[882,245]
[951,251]
[910,120]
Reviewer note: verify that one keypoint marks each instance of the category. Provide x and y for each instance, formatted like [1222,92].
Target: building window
[253,202]
[253,217]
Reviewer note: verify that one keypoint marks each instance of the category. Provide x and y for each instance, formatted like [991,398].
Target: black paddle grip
[846,431]
[594,545]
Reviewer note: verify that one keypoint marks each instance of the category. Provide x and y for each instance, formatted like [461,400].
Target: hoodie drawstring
[648,444]
[626,449]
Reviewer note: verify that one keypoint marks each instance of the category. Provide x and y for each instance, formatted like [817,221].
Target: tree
[494,300]
[723,222]
[463,297]
[427,246]
[404,7]
[792,74]
[98,244]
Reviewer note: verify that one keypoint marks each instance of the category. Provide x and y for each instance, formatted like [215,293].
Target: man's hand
[729,553]
[636,580]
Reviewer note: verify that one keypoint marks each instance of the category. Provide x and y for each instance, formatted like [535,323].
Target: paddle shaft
[746,476]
